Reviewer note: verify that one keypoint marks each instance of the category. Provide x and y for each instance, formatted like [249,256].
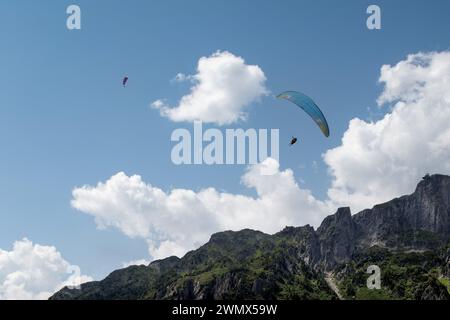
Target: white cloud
[31,271]
[140,262]
[157,104]
[181,77]
[181,220]
[380,160]
[223,87]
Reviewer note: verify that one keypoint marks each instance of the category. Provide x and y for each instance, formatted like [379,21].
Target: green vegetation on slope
[404,275]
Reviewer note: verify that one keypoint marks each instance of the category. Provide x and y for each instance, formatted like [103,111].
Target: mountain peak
[343,213]
[433,183]
[234,237]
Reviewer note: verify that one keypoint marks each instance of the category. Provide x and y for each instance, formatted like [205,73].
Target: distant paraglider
[309,106]
[293,141]
[124,81]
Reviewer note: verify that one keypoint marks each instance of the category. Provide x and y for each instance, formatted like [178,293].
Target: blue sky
[65,120]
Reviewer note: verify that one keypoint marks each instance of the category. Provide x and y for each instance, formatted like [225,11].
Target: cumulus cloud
[181,77]
[180,220]
[33,272]
[384,159]
[224,86]
[140,262]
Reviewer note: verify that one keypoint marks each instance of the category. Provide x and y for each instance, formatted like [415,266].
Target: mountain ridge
[296,262]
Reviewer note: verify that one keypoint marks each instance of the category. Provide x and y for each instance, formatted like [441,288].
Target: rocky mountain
[408,238]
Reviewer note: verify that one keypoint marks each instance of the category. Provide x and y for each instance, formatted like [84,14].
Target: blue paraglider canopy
[309,106]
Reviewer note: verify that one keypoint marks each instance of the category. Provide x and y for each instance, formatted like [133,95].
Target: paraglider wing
[309,106]
[124,82]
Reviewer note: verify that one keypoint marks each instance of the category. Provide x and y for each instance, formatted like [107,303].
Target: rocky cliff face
[406,221]
[420,221]
[291,264]
[337,236]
